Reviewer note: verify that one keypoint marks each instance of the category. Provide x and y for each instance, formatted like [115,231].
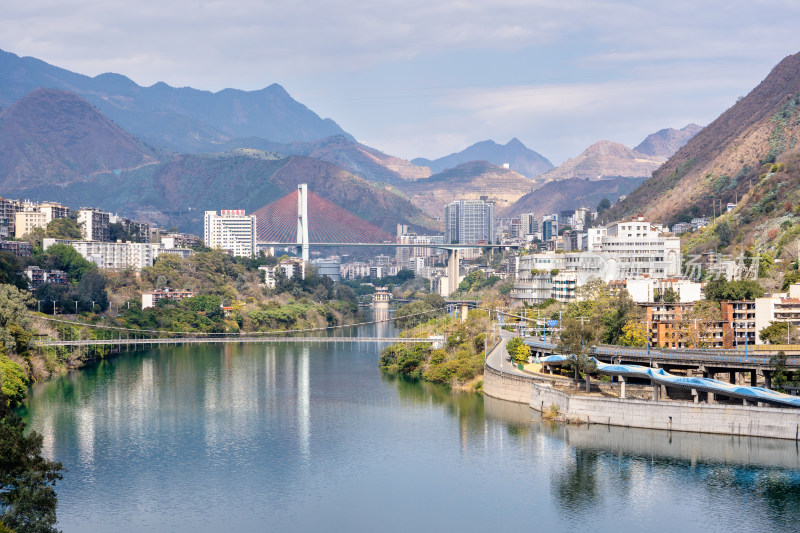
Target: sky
[423,78]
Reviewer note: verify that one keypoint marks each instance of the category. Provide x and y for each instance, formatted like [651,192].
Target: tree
[775,333]
[512,345]
[67,258]
[633,334]
[790,278]
[576,340]
[522,353]
[779,372]
[10,271]
[92,288]
[63,228]
[724,232]
[27,480]
[720,289]
[13,313]
[408,316]
[604,205]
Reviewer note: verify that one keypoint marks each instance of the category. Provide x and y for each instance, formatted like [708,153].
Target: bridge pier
[622,381]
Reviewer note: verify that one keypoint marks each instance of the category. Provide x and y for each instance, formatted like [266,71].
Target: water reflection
[235,437]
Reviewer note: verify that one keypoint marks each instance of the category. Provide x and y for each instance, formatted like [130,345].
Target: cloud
[552,72]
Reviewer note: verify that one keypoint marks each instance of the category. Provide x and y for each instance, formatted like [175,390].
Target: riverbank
[503,381]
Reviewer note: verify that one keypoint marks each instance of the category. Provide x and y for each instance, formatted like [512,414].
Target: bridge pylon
[302,221]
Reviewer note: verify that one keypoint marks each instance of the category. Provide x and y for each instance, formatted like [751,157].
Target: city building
[53,210]
[742,316]
[151,299]
[469,222]
[644,290]
[231,230]
[26,221]
[530,226]
[641,248]
[37,277]
[669,327]
[292,267]
[549,227]
[18,248]
[94,224]
[621,251]
[329,267]
[118,255]
[179,240]
[131,230]
[779,308]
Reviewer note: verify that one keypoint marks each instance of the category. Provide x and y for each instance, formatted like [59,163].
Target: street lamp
[54,308]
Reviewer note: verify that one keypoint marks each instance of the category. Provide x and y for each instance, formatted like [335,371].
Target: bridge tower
[302,220]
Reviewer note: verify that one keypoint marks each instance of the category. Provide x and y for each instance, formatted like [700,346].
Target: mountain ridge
[181,119]
[724,158]
[519,157]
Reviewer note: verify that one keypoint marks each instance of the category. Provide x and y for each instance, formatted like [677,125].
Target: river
[293,438]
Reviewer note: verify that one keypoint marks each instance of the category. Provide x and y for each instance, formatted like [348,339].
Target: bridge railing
[684,355]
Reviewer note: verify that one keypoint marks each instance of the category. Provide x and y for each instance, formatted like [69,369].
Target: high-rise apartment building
[26,221]
[231,230]
[53,210]
[549,227]
[469,222]
[530,224]
[94,224]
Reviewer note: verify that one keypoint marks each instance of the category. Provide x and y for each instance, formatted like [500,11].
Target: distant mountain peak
[517,155]
[664,143]
[606,159]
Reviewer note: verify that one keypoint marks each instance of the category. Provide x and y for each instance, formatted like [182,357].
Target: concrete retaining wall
[676,416]
[505,386]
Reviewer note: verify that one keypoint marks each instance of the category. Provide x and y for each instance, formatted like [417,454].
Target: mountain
[517,155]
[178,190]
[180,119]
[55,136]
[571,193]
[664,143]
[606,159]
[726,159]
[467,181]
[360,159]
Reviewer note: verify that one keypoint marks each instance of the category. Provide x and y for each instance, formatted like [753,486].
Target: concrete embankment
[506,383]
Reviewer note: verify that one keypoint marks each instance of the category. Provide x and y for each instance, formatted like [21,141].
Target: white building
[231,230]
[94,224]
[151,298]
[119,255]
[623,250]
[645,290]
[781,307]
[290,268]
[641,248]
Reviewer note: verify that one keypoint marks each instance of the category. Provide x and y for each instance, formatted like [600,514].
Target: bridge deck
[709,358]
[229,339]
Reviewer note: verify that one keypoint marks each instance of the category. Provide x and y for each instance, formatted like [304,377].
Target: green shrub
[13,379]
